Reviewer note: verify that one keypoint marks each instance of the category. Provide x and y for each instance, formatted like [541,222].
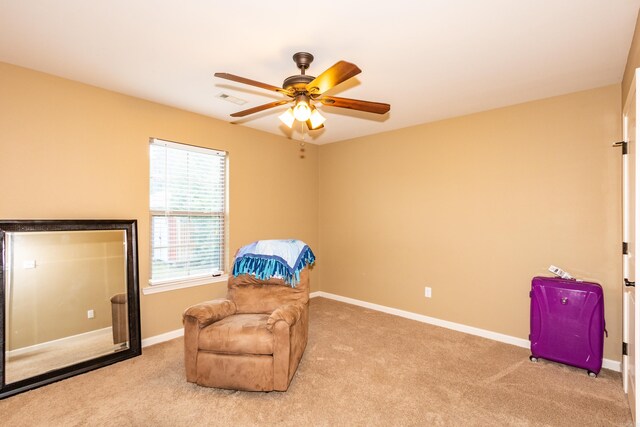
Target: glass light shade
[316,119]
[301,111]
[287,118]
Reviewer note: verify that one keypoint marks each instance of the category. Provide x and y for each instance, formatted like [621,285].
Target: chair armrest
[208,312]
[289,313]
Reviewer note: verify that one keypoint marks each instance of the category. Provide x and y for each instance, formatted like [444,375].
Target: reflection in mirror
[69,299]
[65,298]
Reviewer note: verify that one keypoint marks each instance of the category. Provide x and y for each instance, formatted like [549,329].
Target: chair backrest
[252,295]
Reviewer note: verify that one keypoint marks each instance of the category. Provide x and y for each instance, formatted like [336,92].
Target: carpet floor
[361,368]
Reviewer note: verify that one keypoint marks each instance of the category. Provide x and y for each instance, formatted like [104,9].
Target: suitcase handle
[628,283]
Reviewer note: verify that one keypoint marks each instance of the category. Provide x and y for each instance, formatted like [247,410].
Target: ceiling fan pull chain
[302,141]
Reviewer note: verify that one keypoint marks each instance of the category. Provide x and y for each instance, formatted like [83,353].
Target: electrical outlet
[90,314]
[427,292]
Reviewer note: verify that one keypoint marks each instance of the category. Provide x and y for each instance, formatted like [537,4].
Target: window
[187,198]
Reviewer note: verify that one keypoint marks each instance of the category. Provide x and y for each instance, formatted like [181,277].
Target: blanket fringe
[264,267]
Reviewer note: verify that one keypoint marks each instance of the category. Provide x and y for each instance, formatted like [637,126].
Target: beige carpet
[361,368]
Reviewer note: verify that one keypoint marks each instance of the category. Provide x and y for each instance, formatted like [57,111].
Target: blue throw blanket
[282,259]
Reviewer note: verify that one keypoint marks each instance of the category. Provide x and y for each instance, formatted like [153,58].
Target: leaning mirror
[69,298]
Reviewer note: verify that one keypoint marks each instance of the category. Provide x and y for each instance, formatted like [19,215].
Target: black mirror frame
[133,299]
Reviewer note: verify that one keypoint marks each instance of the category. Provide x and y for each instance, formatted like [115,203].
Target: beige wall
[69,150]
[474,207]
[633,62]
[74,272]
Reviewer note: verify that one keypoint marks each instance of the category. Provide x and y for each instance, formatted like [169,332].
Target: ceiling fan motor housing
[299,82]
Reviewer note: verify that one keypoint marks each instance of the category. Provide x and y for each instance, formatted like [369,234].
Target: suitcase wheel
[592,374]
[533,359]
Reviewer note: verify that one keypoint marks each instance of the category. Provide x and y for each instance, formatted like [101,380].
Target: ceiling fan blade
[260,108]
[355,104]
[333,76]
[239,79]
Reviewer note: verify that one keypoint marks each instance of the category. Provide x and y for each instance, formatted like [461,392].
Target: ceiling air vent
[230,98]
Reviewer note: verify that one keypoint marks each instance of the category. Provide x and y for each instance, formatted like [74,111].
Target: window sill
[154,289]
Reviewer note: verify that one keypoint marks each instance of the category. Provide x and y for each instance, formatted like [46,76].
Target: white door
[631,308]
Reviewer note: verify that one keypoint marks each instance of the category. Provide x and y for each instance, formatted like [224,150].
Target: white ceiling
[429,59]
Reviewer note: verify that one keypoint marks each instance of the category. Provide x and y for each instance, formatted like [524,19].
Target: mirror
[69,299]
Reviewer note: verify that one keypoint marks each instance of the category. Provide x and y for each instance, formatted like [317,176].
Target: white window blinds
[187,204]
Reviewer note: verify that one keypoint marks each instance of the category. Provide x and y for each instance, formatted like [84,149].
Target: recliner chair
[251,340]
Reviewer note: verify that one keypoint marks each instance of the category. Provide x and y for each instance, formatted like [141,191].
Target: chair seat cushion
[238,334]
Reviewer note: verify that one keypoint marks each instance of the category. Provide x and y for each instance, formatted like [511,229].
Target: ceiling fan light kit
[302,111]
[316,119]
[287,118]
[304,90]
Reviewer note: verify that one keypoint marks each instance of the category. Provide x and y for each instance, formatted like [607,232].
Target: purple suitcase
[567,322]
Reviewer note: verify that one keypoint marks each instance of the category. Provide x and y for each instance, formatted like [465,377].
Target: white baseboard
[614,365]
[520,342]
[146,342]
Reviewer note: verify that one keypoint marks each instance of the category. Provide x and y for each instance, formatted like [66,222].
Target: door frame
[632,250]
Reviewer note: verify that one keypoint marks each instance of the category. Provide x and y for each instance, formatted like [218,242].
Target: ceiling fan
[303,90]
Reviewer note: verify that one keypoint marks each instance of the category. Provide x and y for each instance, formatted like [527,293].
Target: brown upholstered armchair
[251,340]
